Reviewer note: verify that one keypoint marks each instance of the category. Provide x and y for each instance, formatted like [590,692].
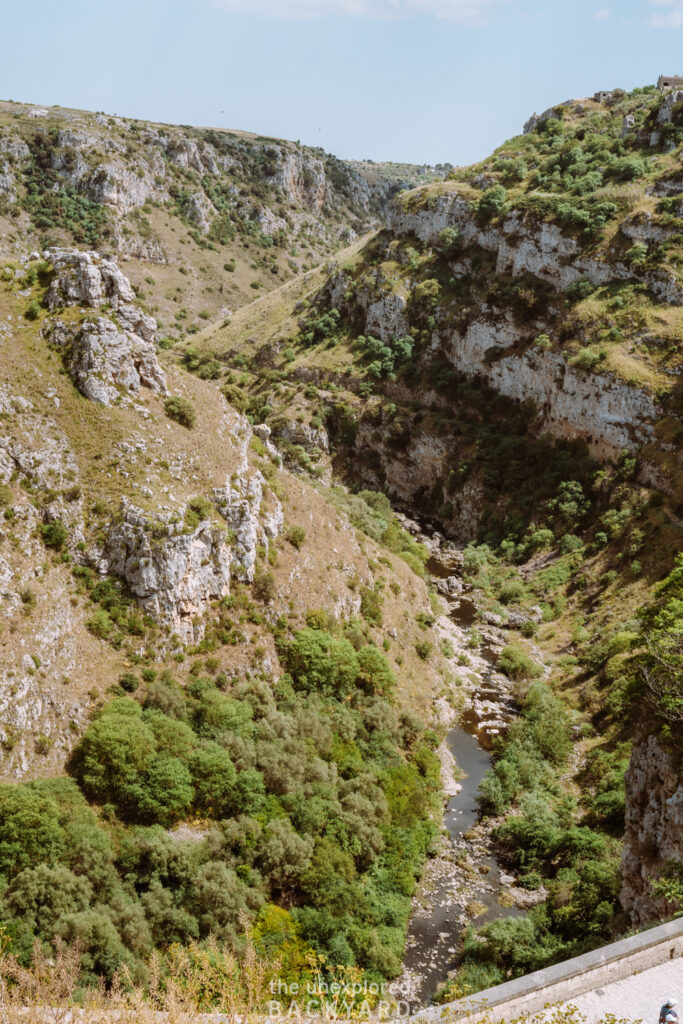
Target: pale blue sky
[417,80]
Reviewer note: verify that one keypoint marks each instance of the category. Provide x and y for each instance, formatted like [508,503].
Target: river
[462,884]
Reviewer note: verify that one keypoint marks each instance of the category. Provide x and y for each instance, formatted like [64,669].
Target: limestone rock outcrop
[653,839]
[311,439]
[86,279]
[35,451]
[240,503]
[112,181]
[107,357]
[494,346]
[104,360]
[174,573]
[12,151]
[200,211]
[522,246]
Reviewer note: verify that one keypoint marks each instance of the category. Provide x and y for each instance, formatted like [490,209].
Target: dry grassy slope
[139,453]
[141,173]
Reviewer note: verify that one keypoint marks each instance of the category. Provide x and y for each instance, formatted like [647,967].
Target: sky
[422,81]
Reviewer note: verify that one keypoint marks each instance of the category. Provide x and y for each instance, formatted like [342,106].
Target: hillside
[201,219]
[258,557]
[200,638]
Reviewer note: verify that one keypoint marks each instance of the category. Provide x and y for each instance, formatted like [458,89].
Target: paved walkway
[636,998]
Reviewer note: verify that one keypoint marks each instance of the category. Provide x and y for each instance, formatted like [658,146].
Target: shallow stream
[465,874]
[462,884]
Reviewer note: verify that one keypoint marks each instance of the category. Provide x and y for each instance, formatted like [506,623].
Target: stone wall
[564,981]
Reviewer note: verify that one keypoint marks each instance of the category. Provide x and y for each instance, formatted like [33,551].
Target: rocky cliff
[653,841]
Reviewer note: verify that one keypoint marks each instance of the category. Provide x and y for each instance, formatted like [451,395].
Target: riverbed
[463,883]
[460,885]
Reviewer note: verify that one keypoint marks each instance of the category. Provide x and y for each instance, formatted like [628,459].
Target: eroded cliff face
[496,348]
[523,244]
[653,840]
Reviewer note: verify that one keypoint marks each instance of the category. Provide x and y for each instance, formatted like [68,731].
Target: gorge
[317,491]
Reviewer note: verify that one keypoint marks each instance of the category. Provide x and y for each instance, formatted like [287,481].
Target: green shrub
[101,624]
[450,241]
[375,674]
[215,781]
[198,509]
[129,682]
[627,168]
[517,664]
[588,358]
[33,310]
[385,358]
[371,602]
[319,662]
[181,410]
[54,534]
[423,649]
[511,592]
[321,327]
[579,290]
[637,255]
[117,762]
[264,587]
[493,203]
[296,535]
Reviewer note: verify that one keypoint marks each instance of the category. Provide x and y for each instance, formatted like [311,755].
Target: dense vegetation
[570,848]
[312,798]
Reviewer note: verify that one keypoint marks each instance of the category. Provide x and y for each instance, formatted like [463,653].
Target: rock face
[34,450]
[240,503]
[522,246]
[107,357]
[303,179]
[86,279]
[200,211]
[174,574]
[653,839]
[311,439]
[103,360]
[493,345]
[12,150]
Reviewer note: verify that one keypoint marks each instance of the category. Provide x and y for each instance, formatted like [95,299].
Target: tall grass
[184,986]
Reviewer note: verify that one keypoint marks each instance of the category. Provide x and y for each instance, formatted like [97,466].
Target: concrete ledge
[562,982]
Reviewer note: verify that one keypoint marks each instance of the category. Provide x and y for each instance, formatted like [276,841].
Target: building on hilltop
[669,82]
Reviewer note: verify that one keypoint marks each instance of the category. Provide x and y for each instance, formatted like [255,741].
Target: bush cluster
[315,796]
[385,359]
[577,862]
[181,410]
